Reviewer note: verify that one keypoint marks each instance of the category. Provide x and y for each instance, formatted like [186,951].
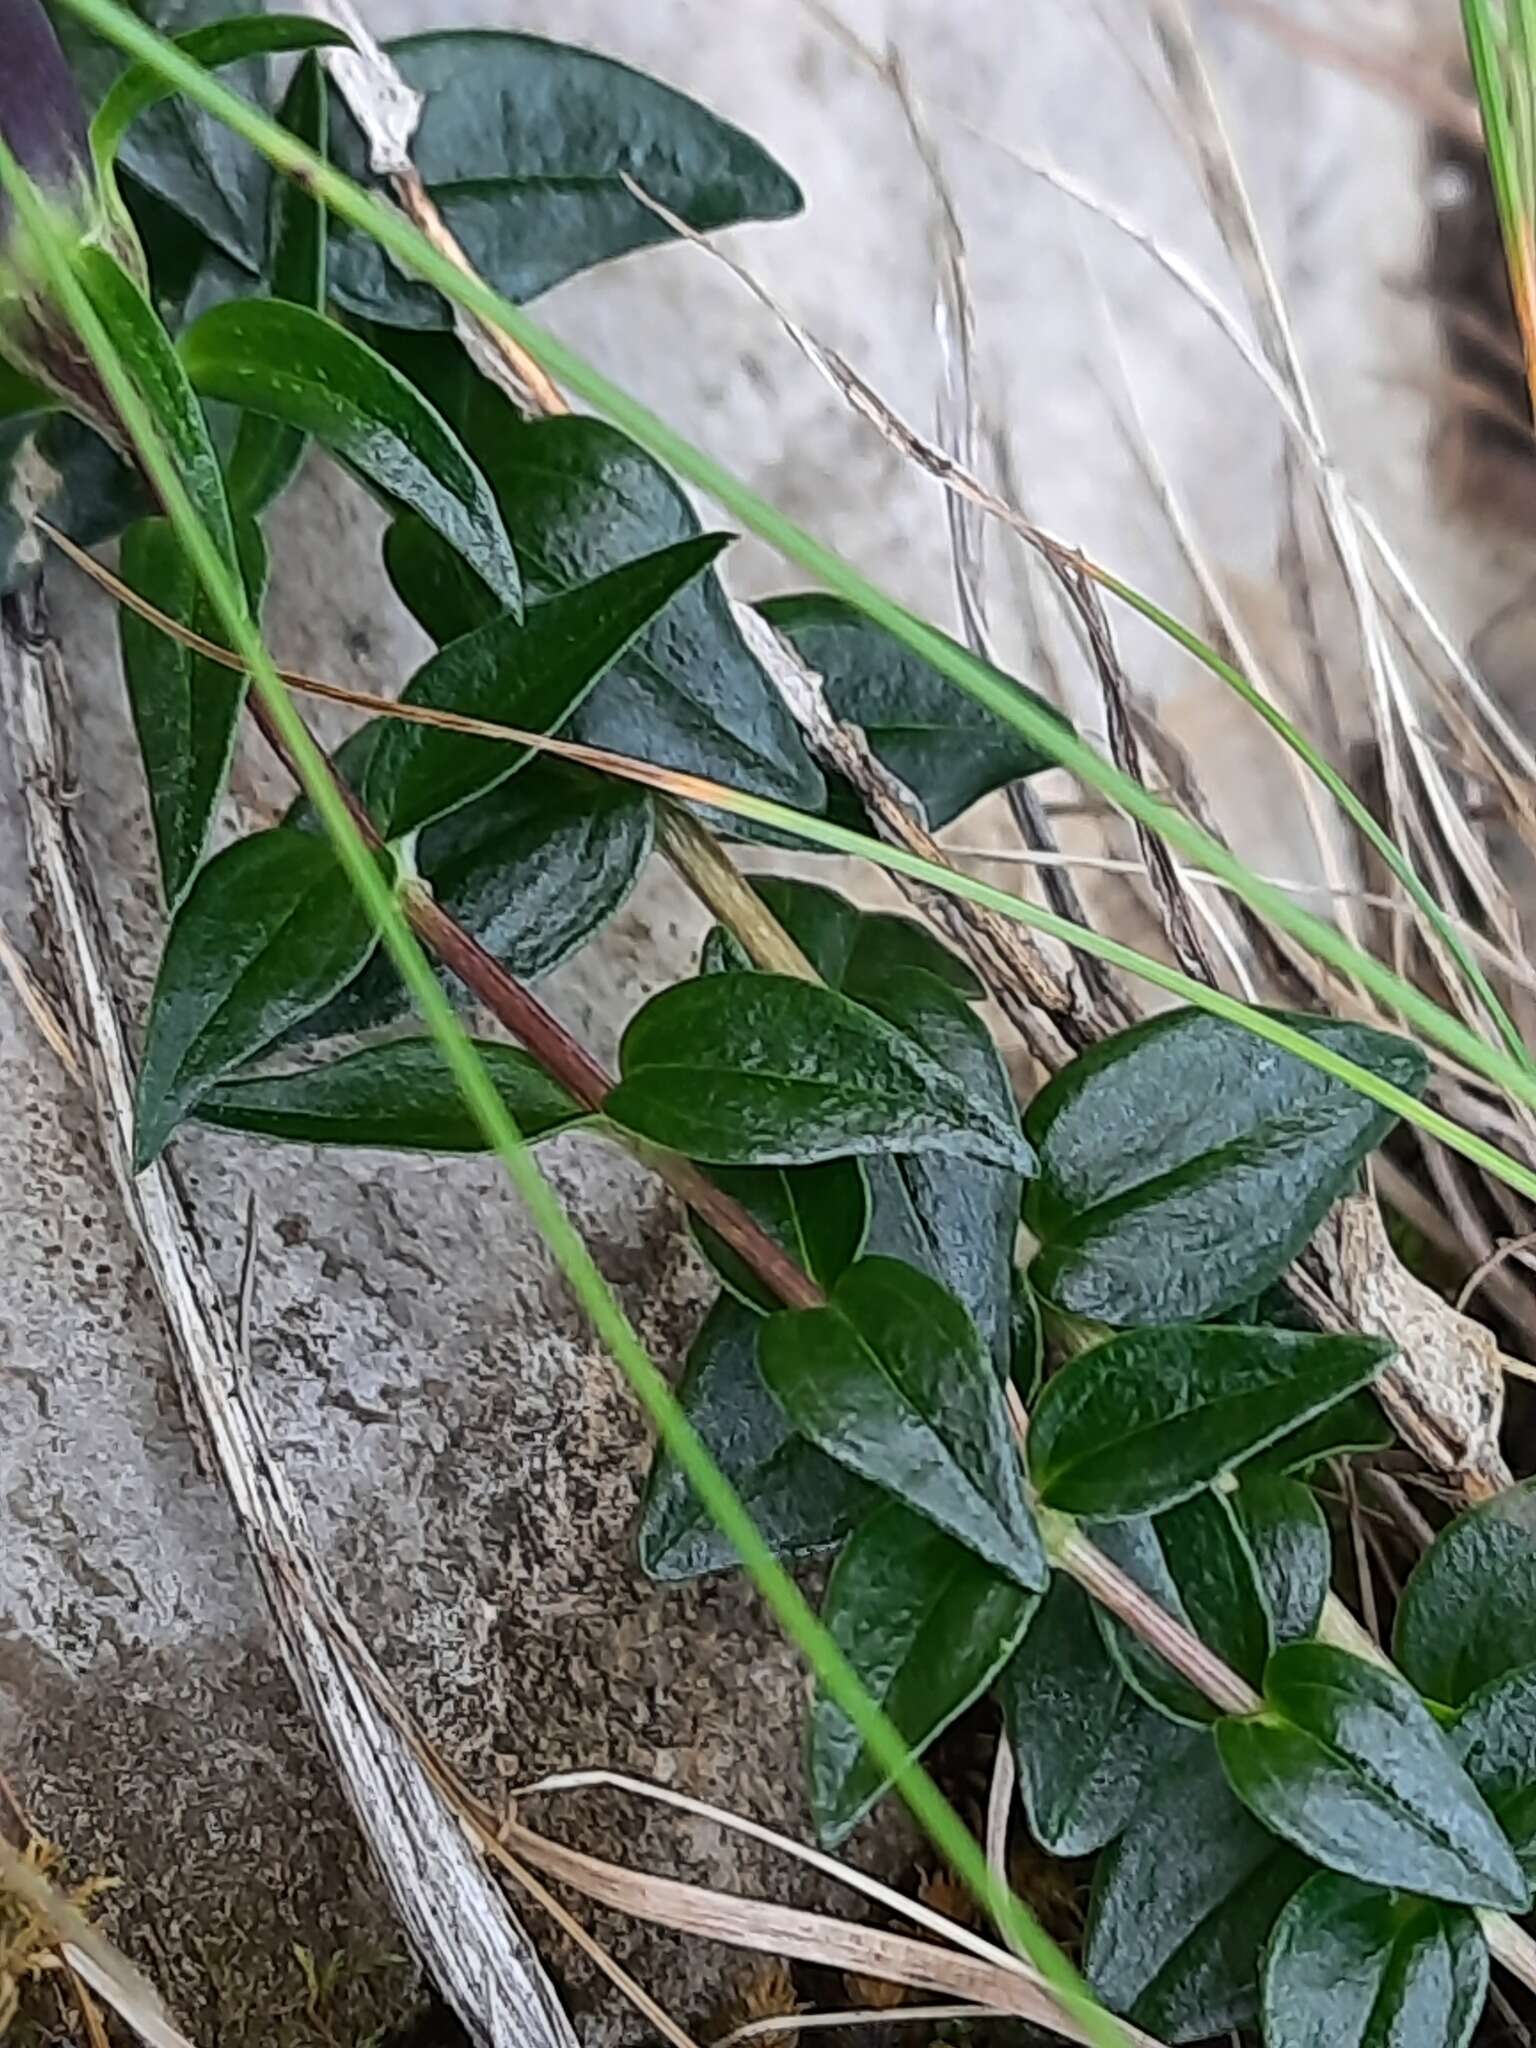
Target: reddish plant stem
[567,1061]
[573,1066]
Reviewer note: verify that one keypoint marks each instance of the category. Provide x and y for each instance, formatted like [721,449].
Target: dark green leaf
[1348,1764]
[291,364]
[185,707]
[1087,1746]
[1183,1903]
[399,1097]
[268,931]
[435,584]
[20,396]
[267,453]
[523,144]
[927,1626]
[583,498]
[891,1380]
[1356,1423]
[800,1500]
[819,1214]
[1026,1336]
[155,368]
[1146,1419]
[1468,1612]
[946,748]
[851,949]
[1195,1561]
[1494,1735]
[1288,1535]
[59,468]
[221,43]
[1349,1966]
[765,1070]
[528,672]
[530,871]
[964,1215]
[186,158]
[1185,1163]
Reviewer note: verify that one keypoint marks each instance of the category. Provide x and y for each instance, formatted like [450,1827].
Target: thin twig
[867,2016]
[1507,1248]
[1168,885]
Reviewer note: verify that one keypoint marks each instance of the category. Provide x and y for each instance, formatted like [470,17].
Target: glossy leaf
[1288,1534]
[583,498]
[800,1500]
[398,1097]
[1196,1563]
[1468,1611]
[946,748]
[220,43]
[1185,1163]
[965,1212]
[268,931]
[185,708]
[267,453]
[765,1070]
[927,1626]
[1183,1903]
[1146,1419]
[891,1380]
[819,1214]
[152,362]
[1348,1764]
[1349,1966]
[1357,1423]
[1494,1736]
[851,949]
[1026,1337]
[435,584]
[529,672]
[523,145]
[531,871]
[1088,1747]
[290,364]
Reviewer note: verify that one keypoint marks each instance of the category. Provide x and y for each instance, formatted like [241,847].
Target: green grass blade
[402,240]
[840,839]
[227,597]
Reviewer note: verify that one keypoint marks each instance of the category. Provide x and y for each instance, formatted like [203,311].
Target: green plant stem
[561,1055]
[572,1065]
[928,1804]
[395,234]
[839,839]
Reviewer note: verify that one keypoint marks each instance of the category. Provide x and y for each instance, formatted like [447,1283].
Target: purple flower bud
[43,125]
[42,117]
